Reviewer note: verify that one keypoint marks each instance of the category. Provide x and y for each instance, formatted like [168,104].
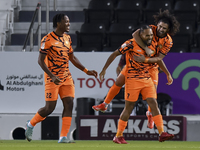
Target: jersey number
[48,95]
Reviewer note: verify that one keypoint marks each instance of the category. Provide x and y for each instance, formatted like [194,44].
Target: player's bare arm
[42,64]
[118,69]
[108,62]
[78,65]
[139,41]
[166,71]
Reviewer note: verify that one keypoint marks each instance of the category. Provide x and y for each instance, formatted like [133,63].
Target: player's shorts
[66,89]
[154,75]
[134,86]
[152,71]
[123,71]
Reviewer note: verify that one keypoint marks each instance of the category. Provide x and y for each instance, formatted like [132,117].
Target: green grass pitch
[97,145]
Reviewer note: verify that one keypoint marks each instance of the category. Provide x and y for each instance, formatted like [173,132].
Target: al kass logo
[136,126]
[1,86]
[105,128]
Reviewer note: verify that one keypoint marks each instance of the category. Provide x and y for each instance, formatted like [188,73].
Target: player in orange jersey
[137,80]
[167,25]
[55,53]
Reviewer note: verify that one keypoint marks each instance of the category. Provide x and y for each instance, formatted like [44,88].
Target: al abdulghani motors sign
[105,128]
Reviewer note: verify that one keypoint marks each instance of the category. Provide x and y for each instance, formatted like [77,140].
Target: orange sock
[36,119]
[121,127]
[114,90]
[159,123]
[66,123]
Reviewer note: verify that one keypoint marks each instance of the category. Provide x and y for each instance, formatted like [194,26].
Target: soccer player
[55,53]
[137,80]
[167,25]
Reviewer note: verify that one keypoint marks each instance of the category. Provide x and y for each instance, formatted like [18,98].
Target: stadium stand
[91,37]
[6,19]
[153,7]
[24,14]
[196,48]
[183,40]
[187,12]
[15,17]
[99,12]
[129,11]
[118,34]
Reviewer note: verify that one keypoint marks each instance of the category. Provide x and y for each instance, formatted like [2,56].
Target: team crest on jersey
[160,46]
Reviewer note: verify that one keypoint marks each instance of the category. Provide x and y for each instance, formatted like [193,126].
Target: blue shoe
[65,140]
[28,132]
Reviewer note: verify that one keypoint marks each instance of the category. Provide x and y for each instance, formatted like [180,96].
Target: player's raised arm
[108,62]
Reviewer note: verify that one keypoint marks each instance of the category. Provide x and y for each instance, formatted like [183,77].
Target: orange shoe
[101,107]
[165,136]
[119,140]
[150,123]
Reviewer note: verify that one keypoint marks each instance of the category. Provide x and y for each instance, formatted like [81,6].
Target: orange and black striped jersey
[161,45]
[134,69]
[57,49]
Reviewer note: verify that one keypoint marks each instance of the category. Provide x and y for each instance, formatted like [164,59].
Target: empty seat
[183,40]
[129,11]
[179,49]
[99,11]
[187,11]
[118,34]
[91,37]
[195,50]
[196,47]
[153,7]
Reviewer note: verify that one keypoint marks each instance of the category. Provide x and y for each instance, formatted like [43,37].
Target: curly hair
[57,18]
[168,18]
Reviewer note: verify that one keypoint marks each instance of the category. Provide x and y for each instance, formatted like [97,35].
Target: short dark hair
[166,17]
[57,18]
[143,27]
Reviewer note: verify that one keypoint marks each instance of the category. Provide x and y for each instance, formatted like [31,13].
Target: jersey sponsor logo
[160,46]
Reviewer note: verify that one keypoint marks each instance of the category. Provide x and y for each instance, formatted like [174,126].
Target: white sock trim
[30,125]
